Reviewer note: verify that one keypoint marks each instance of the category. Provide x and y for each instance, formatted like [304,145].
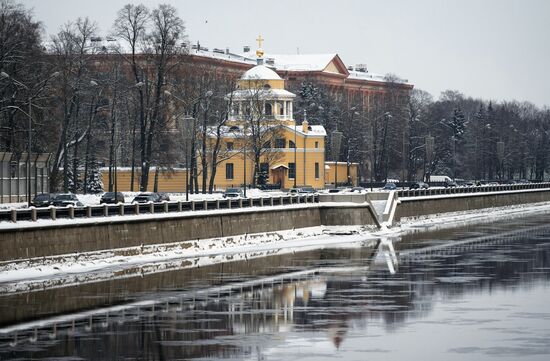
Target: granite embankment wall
[421,206]
[109,233]
[52,239]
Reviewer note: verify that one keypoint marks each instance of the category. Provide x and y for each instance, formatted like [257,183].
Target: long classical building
[300,156]
[324,69]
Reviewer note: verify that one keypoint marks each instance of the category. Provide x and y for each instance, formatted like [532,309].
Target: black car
[66,199]
[390,186]
[233,193]
[450,184]
[43,200]
[419,185]
[163,196]
[147,197]
[306,190]
[112,197]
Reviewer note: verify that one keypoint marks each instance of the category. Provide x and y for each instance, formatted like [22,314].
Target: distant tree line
[138,102]
[412,136]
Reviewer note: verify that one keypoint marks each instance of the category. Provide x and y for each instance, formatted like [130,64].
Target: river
[477,292]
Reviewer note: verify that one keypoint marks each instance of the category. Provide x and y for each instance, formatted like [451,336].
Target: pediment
[336,66]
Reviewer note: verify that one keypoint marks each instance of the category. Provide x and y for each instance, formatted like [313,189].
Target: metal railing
[122,209]
[472,189]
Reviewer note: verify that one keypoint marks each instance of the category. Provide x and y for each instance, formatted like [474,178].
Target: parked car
[233,193]
[293,191]
[419,185]
[306,190]
[43,200]
[112,197]
[147,197]
[66,199]
[357,190]
[390,186]
[334,190]
[450,184]
[164,197]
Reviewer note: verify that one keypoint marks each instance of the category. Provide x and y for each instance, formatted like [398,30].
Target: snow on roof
[224,56]
[262,94]
[301,62]
[314,130]
[260,72]
[236,131]
[374,77]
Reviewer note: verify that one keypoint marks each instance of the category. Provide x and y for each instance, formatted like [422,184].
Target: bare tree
[71,49]
[260,132]
[22,70]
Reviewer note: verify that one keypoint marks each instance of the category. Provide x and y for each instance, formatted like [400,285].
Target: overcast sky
[493,49]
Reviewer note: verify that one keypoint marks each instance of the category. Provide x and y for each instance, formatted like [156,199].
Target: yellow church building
[262,134]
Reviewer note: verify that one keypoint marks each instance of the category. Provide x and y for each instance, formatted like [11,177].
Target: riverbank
[77,268]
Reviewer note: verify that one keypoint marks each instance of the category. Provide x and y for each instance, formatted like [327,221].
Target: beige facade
[262,117]
[342,173]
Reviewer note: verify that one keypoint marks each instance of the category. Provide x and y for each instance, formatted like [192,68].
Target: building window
[264,168]
[266,145]
[316,170]
[268,109]
[280,143]
[317,145]
[291,170]
[281,108]
[230,145]
[228,170]
[291,144]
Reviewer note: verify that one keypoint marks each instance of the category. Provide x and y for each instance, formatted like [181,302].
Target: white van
[440,178]
[447,181]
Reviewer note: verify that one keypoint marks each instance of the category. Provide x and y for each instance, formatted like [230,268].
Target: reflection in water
[465,294]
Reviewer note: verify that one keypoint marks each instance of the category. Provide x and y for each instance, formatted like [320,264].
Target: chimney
[305,126]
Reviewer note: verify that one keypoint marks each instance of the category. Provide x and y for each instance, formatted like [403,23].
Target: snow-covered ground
[70,269]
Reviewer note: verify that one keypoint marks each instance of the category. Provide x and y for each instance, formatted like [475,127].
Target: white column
[290,112]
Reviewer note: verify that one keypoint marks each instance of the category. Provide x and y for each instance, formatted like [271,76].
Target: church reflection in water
[248,307]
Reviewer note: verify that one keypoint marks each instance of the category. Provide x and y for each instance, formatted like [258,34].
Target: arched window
[268,109]
[291,144]
[267,86]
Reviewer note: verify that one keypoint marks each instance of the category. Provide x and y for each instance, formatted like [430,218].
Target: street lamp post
[336,138]
[29,149]
[295,148]
[244,161]
[187,144]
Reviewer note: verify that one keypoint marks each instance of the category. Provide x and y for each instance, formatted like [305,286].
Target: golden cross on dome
[259,40]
